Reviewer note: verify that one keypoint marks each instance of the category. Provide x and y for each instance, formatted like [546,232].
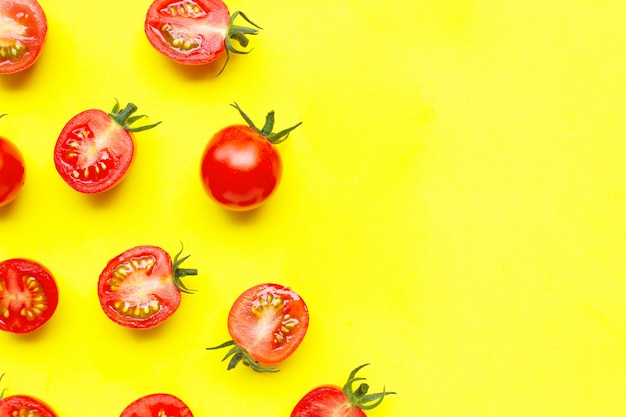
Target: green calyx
[239,34]
[180,273]
[267,130]
[359,397]
[237,355]
[124,118]
[2,376]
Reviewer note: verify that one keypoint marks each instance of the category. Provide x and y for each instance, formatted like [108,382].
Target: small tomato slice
[267,323]
[12,171]
[24,406]
[195,32]
[95,149]
[28,295]
[140,288]
[241,167]
[23,28]
[157,405]
[333,401]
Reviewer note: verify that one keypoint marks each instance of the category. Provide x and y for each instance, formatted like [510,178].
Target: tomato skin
[22,34]
[24,405]
[29,286]
[240,168]
[12,171]
[326,401]
[186,24]
[258,318]
[157,405]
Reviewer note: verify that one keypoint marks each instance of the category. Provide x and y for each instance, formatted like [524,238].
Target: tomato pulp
[157,405]
[23,28]
[24,406]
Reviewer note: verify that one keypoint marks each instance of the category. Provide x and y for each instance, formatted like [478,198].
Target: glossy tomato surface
[93,152]
[269,321]
[23,28]
[326,401]
[157,405]
[191,32]
[28,295]
[12,171]
[136,288]
[24,406]
[240,168]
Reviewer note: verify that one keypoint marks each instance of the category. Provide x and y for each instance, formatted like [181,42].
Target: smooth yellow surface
[451,210]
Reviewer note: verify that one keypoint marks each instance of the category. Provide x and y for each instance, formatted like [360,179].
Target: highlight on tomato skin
[157,405]
[12,171]
[22,34]
[267,323]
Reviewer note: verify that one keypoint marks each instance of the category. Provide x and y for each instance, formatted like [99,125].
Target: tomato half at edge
[267,323]
[23,32]
[140,288]
[157,405]
[12,171]
[28,295]
[24,405]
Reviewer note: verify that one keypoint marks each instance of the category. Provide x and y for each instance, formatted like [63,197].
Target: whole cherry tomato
[23,28]
[12,171]
[241,167]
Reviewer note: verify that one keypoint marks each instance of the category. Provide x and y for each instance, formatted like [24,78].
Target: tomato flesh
[23,28]
[326,401]
[28,295]
[93,152]
[240,168]
[12,171]
[136,289]
[191,32]
[269,321]
[157,405]
[24,406]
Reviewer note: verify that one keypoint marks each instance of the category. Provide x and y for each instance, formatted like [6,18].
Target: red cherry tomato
[23,31]
[140,288]
[95,149]
[267,323]
[24,406]
[332,401]
[12,171]
[241,167]
[195,32]
[28,295]
[157,405]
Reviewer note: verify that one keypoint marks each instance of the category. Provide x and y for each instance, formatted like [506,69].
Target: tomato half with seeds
[23,29]
[157,405]
[334,401]
[241,166]
[12,171]
[267,323]
[196,32]
[141,287]
[24,406]
[28,295]
[95,149]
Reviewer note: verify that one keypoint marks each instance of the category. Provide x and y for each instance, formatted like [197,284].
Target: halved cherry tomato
[24,406]
[12,171]
[241,167]
[267,323]
[140,288]
[195,32]
[333,401]
[95,149]
[157,405]
[23,28]
[28,295]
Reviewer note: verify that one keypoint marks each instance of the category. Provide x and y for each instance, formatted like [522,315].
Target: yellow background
[451,210]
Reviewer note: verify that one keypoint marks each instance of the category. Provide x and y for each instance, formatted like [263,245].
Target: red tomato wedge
[140,288]
[23,28]
[157,405]
[333,401]
[12,171]
[195,32]
[28,295]
[95,149]
[24,406]
[267,323]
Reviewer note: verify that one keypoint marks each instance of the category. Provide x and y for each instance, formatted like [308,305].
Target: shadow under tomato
[18,80]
